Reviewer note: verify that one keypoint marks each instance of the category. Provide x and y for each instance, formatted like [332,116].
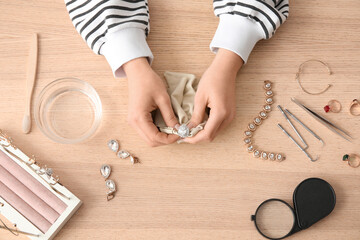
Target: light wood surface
[206,191]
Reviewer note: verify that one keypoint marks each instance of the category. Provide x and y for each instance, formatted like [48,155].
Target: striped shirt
[117,29]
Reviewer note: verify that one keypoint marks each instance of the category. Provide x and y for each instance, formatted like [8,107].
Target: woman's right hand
[147,92]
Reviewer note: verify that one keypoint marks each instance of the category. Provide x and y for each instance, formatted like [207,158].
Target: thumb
[167,112]
[198,113]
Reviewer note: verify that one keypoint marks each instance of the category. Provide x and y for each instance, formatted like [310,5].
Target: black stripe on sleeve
[70,2]
[256,19]
[260,11]
[228,4]
[80,6]
[263,27]
[254,8]
[111,16]
[111,26]
[279,3]
[285,5]
[104,9]
[90,10]
[272,9]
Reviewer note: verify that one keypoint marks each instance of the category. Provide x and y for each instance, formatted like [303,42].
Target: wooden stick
[30,81]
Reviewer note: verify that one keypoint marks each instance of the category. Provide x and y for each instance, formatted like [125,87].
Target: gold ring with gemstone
[352,159]
[333,106]
[355,108]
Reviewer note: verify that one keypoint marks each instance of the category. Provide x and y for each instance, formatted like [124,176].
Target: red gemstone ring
[333,106]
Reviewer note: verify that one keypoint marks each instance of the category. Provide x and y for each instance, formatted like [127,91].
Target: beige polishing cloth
[181,89]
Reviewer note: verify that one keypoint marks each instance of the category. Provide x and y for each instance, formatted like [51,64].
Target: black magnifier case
[313,199]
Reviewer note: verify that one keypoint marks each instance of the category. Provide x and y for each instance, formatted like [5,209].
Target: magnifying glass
[274,219]
[313,200]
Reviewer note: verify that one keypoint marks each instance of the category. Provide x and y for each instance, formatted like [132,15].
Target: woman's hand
[147,92]
[216,91]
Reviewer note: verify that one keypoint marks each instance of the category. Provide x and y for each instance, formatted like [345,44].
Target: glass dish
[68,110]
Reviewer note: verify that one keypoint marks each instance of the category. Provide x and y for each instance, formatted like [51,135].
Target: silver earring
[105,171]
[110,184]
[113,145]
[123,154]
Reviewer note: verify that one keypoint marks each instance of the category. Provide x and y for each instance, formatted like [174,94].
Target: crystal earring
[123,154]
[105,171]
[110,184]
[113,145]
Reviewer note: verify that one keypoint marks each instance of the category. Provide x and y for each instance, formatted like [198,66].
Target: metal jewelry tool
[16,232]
[293,127]
[332,127]
[297,144]
[306,127]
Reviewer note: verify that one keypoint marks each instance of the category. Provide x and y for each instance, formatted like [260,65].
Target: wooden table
[205,191]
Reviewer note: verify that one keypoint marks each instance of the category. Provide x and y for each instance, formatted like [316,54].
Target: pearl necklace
[256,123]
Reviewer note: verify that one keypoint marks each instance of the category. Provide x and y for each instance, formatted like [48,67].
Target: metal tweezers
[298,145]
[303,149]
[332,127]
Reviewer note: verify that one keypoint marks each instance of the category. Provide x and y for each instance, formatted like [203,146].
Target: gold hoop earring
[297,77]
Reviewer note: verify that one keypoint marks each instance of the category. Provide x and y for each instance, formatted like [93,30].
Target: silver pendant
[183,131]
[113,145]
[105,171]
[110,184]
[123,154]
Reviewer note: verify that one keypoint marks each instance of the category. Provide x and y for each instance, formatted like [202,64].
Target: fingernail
[177,126]
[181,141]
[191,125]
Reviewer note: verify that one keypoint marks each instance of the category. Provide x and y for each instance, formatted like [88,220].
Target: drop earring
[105,171]
[123,154]
[110,184]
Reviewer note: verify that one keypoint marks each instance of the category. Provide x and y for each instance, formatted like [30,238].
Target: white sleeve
[244,22]
[113,28]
